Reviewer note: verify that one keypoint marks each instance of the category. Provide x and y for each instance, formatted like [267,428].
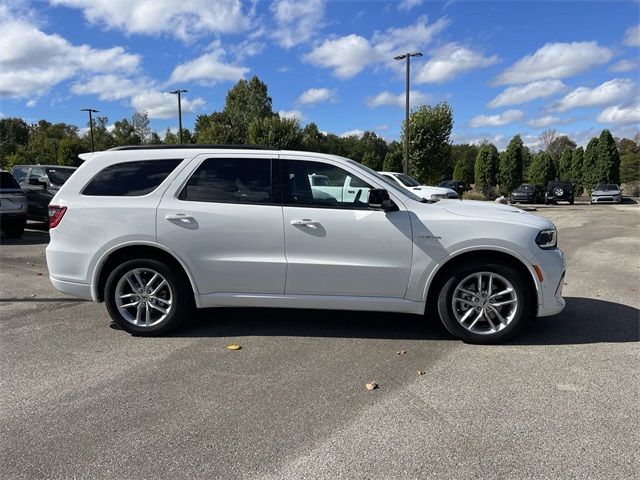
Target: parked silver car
[606,193]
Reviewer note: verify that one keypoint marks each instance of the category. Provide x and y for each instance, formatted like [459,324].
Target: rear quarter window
[7,182]
[130,179]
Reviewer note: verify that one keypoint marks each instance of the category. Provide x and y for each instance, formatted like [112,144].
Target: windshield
[526,188]
[386,181]
[406,180]
[57,175]
[607,187]
[7,182]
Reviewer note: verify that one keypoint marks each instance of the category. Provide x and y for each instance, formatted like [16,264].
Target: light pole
[407,57]
[90,110]
[178,92]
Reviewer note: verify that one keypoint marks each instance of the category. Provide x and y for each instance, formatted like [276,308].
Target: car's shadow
[34,235]
[584,320]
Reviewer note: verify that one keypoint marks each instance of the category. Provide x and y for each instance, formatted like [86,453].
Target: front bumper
[606,199]
[552,264]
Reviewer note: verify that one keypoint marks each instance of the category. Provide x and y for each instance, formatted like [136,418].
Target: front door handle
[304,222]
[183,217]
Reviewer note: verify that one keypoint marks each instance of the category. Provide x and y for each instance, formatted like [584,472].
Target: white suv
[154,231]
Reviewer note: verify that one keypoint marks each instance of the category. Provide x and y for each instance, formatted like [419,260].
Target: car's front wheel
[484,302]
[145,297]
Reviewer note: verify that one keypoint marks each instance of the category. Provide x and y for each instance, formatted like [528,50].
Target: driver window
[317,184]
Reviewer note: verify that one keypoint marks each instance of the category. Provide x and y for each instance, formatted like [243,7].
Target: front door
[224,219]
[335,244]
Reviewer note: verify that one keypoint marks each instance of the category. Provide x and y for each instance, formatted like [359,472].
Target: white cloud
[545,121]
[450,60]
[183,19]
[297,20]
[162,104]
[619,114]
[37,61]
[352,133]
[349,55]
[142,94]
[627,65]
[473,138]
[616,90]
[407,5]
[31,103]
[504,118]
[632,36]
[528,92]
[555,60]
[391,99]
[291,114]
[208,69]
[316,95]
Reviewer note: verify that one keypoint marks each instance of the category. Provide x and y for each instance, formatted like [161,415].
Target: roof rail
[190,146]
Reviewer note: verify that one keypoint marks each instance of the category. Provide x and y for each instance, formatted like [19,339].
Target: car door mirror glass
[379,199]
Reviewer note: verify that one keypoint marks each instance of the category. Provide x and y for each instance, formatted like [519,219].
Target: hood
[606,192]
[494,211]
[425,189]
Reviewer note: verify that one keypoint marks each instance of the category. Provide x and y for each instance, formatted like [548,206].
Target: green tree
[510,169]
[170,138]
[589,165]
[124,133]
[608,163]
[463,158]
[430,129]
[312,138]
[102,137]
[558,145]
[577,156]
[140,122]
[542,169]
[564,167]
[14,132]
[246,101]
[486,168]
[214,129]
[375,146]
[373,160]
[629,159]
[276,132]
[69,149]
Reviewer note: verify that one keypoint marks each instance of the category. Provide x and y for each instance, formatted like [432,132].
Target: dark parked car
[13,206]
[457,186]
[558,190]
[527,193]
[40,183]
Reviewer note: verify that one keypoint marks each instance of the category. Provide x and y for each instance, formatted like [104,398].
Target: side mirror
[38,183]
[379,200]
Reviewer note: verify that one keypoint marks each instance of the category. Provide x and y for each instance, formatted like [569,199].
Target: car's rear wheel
[13,230]
[145,297]
[484,302]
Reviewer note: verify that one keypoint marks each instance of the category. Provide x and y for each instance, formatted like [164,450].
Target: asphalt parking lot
[82,400]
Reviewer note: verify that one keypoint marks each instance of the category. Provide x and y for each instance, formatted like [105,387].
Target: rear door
[340,246]
[223,217]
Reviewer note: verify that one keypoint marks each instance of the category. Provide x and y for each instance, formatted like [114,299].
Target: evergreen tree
[393,158]
[608,163]
[577,157]
[589,165]
[564,170]
[542,169]
[486,168]
[275,132]
[510,172]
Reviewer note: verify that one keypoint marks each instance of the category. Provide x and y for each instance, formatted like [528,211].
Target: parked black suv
[40,183]
[557,190]
[455,185]
[527,193]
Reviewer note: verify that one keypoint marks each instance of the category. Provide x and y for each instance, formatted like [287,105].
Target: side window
[317,184]
[39,174]
[130,179]
[230,180]
[19,173]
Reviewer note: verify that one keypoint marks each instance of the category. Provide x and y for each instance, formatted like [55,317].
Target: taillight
[56,213]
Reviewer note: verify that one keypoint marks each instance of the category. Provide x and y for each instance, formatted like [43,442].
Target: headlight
[438,196]
[547,238]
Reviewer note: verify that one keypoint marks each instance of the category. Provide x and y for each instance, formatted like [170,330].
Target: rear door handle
[183,217]
[304,222]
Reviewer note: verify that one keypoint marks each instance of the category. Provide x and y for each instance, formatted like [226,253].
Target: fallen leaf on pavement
[371,386]
[401,352]
[421,372]
[233,346]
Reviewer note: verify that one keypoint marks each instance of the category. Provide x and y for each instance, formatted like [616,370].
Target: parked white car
[606,193]
[153,231]
[424,191]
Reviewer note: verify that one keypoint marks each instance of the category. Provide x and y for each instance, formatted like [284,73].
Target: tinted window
[58,175]
[230,180]
[7,182]
[407,180]
[19,173]
[130,179]
[344,190]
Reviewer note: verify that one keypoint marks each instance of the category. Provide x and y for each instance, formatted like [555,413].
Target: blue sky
[506,67]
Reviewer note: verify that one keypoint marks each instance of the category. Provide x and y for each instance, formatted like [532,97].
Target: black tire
[13,230]
[571,201]
[457,275]
[181,304]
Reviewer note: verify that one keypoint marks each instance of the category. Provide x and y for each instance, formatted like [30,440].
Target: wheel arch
[122,253]
[505,257]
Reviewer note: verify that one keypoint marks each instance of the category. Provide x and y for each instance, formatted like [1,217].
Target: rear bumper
[77,290]
[13,217]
